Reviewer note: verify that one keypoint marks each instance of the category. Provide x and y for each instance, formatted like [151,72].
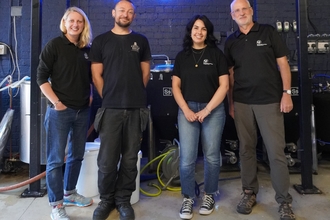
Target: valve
[292,147]
[231,157]
[290,160]
[233,144]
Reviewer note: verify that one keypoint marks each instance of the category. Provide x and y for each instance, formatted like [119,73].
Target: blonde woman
[64,78]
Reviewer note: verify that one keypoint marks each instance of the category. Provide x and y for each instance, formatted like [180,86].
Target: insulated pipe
[37,177]
[26,182]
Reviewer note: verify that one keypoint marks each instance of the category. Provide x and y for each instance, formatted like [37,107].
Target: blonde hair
[85,38]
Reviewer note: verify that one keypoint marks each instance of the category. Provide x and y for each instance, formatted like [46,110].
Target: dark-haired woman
[200,83]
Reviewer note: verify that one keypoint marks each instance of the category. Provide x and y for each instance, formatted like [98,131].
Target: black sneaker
[247,202]
[207,206]
[186,211]
[103,210]
[126,211]
[286,212]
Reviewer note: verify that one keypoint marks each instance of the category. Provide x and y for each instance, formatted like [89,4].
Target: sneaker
[126,212]
[59,213]
[186,211]
[247,202]
[286,212]
[103,210]
[207,206]
[77,200]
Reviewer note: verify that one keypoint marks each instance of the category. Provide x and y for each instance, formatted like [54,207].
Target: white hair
[231,5]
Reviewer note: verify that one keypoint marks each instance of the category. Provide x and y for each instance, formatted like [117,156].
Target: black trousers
[120,136]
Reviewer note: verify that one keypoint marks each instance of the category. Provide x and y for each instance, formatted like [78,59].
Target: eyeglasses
[238,11]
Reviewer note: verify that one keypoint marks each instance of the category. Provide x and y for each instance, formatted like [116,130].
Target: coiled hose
[162,157]
[159,189]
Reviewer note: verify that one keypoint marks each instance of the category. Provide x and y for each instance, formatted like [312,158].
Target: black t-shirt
[68,69]
[121,56]
[253,56]
[198,84]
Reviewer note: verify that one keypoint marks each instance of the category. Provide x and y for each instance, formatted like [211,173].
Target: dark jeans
[120,136]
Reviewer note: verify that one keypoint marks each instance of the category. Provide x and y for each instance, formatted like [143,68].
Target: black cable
[323,143]
[197,190]
[197,186]
[327,58]
[311,23]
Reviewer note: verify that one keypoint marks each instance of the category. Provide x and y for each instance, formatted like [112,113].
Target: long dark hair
[210,38]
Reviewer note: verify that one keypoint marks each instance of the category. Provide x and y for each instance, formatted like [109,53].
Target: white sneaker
[59,213]
[207,206]
[186,211]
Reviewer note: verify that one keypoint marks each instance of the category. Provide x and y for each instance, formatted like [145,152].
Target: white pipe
[160,55]
[15,84]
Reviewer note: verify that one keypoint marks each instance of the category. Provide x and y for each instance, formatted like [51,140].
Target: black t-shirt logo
[135,47]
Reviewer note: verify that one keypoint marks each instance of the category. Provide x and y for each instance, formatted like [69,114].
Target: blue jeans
[66,127]
[210,133]
[120,135]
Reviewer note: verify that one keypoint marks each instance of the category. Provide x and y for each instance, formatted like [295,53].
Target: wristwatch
[287,91]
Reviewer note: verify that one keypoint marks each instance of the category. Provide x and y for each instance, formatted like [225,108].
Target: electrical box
[312,46]
[294,26]
[318,43]
[279,27]
[286,26]
[323,44]
[16,11]
[3,49]
[312,43]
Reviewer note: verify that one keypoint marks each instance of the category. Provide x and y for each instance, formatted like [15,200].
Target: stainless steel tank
[25,93]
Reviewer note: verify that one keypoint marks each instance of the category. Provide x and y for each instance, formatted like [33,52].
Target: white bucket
[136,194]
[87,181]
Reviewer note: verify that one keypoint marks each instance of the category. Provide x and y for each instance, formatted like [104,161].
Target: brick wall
[162,21]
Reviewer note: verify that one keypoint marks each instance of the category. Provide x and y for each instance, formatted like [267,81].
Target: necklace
[196,51]
[201,52]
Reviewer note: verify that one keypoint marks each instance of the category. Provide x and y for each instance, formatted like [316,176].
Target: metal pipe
[35,125]
[305,94]
[160,55]
[314,146]
[167,61]
[151,141]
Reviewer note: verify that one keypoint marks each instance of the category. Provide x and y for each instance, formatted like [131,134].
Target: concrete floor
[166,206]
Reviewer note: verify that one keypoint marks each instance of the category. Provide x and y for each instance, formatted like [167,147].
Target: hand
[190,116]
[286,104]
[202,114]
[60,106]
[231,111]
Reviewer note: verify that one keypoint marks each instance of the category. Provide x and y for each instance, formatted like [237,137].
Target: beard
[123,25]
[245,21]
